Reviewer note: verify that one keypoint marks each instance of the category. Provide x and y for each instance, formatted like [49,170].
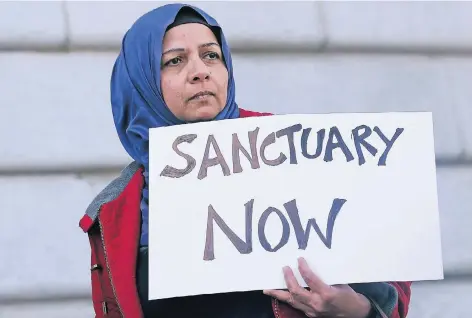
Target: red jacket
[113,223]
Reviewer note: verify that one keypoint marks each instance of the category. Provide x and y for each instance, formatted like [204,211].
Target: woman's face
[194,78]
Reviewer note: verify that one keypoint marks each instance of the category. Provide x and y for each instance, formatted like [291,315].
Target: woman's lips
[201,95]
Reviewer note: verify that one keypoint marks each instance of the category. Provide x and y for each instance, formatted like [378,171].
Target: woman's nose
[199,73]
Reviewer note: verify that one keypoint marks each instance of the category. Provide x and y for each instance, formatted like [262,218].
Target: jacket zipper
[276,308]
[97,267]
[108,268]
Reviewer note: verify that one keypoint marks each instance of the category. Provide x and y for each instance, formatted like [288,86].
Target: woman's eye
[174,61]
[213,55]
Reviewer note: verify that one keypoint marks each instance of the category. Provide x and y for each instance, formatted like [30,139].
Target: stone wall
[59,147]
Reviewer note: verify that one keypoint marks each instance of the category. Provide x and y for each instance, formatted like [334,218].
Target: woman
[175,68]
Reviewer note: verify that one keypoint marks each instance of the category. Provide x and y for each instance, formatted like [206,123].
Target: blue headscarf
[136,97]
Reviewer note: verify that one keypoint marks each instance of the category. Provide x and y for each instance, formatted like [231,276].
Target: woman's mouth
[201,95]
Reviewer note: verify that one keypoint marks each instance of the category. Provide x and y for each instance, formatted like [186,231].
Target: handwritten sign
[233,201]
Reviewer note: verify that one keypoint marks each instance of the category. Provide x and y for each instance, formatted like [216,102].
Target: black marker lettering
[243,247]
[261,229]
[210,162]
[388,143]
[319,143]
[359,140]
[172,172]
[289,132]
[237,147]
[270,139]
[303,235]
[331,145]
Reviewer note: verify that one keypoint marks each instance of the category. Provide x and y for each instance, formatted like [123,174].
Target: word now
[359,134]
[245,247]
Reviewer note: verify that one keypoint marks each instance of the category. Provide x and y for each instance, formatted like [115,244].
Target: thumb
[345,287]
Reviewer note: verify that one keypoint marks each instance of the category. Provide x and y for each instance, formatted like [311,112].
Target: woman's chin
[205,113]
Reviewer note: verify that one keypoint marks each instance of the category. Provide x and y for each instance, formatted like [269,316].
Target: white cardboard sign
[233,201]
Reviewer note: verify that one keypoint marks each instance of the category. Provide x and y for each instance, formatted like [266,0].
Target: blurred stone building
[59,147]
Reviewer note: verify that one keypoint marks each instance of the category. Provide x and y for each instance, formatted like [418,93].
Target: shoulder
[116,187]
[130,178]
[248,113]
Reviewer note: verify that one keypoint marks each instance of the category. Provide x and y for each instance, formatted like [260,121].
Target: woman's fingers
[296,295]
[288,298]
[298,292]
[281,295]
[321,300]
[315,284]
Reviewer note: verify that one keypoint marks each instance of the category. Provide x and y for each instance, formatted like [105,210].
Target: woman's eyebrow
[208,44]
[178,49]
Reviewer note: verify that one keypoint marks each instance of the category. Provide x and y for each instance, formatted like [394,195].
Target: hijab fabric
[136,97]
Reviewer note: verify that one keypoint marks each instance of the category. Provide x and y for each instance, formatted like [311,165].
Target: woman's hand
[321,300]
